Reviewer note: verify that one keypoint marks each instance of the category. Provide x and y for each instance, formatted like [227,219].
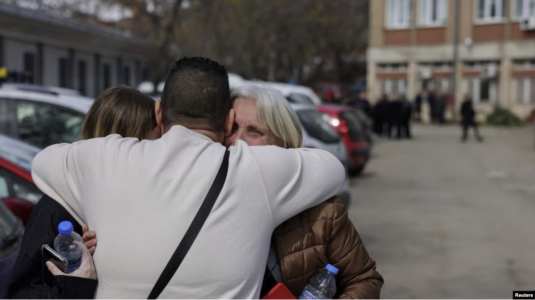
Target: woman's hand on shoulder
[89,238]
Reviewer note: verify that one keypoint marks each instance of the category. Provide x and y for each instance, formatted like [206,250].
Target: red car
[345,121]
[17,190]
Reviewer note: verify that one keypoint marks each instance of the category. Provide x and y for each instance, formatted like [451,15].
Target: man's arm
[357,278]
[297,179]
[62,170]
[52,171]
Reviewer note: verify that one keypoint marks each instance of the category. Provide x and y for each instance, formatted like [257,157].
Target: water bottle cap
[65,228]
[332,269]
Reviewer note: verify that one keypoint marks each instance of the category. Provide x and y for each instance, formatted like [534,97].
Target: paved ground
[450,220]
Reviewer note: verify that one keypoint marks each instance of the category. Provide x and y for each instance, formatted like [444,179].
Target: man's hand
[90,239]
[86,270]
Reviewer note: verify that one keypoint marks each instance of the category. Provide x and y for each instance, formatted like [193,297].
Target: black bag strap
[193,230]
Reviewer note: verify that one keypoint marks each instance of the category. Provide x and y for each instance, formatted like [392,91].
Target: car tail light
[339,125]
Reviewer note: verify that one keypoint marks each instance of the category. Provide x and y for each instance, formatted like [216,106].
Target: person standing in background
[379,114]
[431,99]
[418,105]
[440,107]
[404,127]
[362,103]
[468,119]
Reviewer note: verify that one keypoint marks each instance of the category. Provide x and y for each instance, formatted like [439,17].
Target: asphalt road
[450,220]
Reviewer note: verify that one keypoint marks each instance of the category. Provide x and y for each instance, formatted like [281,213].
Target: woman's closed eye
[255,131]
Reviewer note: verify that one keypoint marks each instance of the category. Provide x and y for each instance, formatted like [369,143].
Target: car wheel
[353,172]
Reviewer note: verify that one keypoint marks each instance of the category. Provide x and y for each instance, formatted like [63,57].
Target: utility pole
[455,54]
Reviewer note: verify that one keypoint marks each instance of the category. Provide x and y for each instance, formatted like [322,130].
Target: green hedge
[503,117]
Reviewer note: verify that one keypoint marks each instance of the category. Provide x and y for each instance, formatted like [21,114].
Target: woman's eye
[254,131]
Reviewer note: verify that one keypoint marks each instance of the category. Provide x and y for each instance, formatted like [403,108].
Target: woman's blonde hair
[122,110]
[274,112]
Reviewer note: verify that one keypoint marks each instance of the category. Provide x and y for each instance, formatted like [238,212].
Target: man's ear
[158,112]
[229,122]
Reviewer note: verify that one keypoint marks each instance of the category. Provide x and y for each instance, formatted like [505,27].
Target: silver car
[317,133]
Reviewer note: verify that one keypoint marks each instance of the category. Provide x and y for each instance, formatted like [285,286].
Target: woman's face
[247,127]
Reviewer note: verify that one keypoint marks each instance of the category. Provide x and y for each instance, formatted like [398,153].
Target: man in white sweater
[141,197]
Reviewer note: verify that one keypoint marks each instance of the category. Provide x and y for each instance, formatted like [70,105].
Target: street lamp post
[455,54]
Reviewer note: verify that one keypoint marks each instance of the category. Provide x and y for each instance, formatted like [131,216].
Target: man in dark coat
[379,114]
[362,103]
[404,127]
[468,119]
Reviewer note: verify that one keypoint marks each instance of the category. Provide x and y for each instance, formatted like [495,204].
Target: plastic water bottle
[321,285]
[65,246]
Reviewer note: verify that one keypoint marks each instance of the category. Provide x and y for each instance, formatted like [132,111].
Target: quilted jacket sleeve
[357,277]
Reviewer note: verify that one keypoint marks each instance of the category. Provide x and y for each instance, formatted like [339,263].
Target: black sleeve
[42,228]
[69,287]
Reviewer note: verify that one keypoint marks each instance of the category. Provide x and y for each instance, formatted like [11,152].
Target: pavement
[444,219]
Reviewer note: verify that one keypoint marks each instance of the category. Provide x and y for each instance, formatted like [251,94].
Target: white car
[41,115]
[296,93]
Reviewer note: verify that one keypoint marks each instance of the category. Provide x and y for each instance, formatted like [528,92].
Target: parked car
[11,232]
[344,121]
[296,93]
[366,123]
[17,189]
[317,133]
[41,115]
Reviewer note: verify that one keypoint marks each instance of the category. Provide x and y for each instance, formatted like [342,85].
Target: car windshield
[362,117]
[42,124]
[300,98]
[353,124]
[314,124]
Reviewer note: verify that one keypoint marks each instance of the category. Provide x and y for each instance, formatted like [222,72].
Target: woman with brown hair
[118,110]
[121,110]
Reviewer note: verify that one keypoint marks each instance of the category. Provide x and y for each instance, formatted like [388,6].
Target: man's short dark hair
[196,95]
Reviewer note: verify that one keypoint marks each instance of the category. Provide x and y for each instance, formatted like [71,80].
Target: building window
[82,77]
[490,11]
[433,12]
[107,75]
[399,13]
[523,90]
[392,87]
[482,90]
[29,67]
[524,9]
[126,75]
[63,70]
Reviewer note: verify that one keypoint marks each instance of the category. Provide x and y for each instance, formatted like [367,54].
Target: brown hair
[122,110]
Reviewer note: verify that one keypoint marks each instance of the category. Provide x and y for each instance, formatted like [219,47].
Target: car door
[8,120]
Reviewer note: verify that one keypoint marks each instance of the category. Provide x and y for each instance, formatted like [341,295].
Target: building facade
[44,49]
[411,48]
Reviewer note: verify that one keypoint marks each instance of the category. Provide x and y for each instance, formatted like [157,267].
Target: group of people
[438,103]
[138,180]
[389,115]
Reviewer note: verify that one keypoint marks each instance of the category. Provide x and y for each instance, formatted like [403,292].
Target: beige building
[411,48]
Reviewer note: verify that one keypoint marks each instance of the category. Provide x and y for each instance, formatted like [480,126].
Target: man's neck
[208,134]
[211,135]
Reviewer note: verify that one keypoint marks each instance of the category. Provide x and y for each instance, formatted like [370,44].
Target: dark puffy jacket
[324,234]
